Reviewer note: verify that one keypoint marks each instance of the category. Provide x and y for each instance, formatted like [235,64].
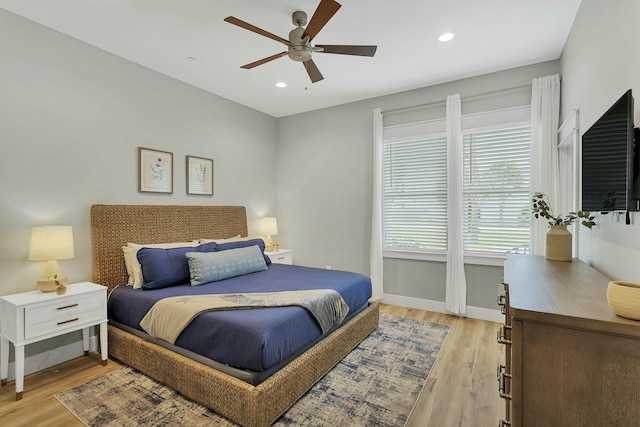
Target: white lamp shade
[269,226]
[50,243]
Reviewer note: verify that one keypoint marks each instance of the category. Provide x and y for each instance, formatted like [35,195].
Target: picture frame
[155,171]
[199,176]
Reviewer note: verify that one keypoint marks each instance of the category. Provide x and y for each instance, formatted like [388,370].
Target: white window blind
[496,190]
[496,186]
[415,194]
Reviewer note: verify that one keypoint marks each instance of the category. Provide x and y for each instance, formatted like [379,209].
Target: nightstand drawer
[284,257]
[65,313]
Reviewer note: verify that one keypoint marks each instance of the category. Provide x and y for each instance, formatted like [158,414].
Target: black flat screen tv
[610,162]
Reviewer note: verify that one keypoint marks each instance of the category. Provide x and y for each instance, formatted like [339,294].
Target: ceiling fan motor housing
[300,48]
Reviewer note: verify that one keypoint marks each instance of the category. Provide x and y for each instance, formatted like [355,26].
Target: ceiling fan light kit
[299,47]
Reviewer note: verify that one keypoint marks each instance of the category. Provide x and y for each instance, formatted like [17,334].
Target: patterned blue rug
[376,384]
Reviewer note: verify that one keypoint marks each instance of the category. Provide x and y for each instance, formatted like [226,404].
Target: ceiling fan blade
[348,49]
[312,70]
[264,60]
[325,11]
[240,23]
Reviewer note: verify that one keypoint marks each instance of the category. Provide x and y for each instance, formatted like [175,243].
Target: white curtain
[545,115]
[456,282]
[375,256]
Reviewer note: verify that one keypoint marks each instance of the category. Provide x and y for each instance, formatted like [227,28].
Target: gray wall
[71,120]
[599,63]
[325,190]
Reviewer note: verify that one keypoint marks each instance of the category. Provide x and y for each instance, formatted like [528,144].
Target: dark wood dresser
[569,360]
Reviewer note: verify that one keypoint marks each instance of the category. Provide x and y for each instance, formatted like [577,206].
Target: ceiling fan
[299,44]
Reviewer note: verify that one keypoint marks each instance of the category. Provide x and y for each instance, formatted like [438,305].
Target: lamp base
[49,285]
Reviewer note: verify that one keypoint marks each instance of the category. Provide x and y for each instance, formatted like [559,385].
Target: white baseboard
[439,307]
[55,356]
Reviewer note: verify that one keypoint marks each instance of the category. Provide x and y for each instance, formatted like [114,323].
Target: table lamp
[51,243]
[268,228]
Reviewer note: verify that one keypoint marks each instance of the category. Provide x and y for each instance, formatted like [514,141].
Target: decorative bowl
[624,299]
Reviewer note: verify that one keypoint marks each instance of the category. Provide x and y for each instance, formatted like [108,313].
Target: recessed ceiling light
[281,84]
[446,37]
[191,59]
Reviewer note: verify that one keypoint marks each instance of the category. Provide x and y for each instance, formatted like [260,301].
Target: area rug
[376,384]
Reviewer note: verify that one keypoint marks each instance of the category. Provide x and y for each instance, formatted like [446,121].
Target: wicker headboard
[112,226]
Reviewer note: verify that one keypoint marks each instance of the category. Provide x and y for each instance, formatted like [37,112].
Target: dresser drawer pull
[502,335]
[502,382]
[68,321]
[504,423]
[502,300]
[67,306]
[501,371]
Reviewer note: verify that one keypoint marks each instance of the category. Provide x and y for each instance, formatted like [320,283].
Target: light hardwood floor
[461,389]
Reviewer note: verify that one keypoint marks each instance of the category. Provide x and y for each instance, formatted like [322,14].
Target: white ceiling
[491,35]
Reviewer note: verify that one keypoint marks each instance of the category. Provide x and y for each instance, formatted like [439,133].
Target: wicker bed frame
[113,226]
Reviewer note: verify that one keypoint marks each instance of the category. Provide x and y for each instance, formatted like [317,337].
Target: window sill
[475,259]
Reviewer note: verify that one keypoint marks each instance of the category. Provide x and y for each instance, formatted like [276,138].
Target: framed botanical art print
[199,176]
[155,171]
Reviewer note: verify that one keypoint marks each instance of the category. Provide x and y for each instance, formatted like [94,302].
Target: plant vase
[61,289]
[559,243]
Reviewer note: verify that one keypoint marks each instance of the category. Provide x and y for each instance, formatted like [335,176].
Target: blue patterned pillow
[205,267]
[162,268]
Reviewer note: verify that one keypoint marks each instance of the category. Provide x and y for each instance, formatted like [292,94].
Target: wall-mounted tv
[610,162]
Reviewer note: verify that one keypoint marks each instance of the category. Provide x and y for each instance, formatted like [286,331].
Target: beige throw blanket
[169,316]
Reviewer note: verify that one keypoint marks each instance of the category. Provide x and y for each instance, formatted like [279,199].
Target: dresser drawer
[62,314]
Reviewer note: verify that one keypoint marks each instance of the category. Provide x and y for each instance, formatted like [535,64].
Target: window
[415,194]
[496,183]
[496,187]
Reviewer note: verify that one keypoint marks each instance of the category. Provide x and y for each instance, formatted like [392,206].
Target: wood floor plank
[38,407]
[460,391]
[462,387]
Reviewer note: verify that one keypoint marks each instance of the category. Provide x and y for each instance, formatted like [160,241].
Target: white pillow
[128,261]
[230,239]
[136,269]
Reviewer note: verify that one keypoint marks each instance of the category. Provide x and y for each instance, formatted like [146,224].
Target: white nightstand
[29,317]
[282,256]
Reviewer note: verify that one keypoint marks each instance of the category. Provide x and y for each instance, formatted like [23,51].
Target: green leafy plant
[542,209]
[55,280]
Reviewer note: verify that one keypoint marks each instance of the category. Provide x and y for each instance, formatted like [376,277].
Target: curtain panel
[456,283]
[545,116]
[375,256]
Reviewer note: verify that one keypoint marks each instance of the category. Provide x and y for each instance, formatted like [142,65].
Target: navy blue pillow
[162,268]
[207,247]
[243,244]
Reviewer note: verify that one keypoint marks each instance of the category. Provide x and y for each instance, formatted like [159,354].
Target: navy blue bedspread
[254,339]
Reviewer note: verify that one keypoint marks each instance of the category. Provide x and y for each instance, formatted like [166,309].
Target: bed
[249,404]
